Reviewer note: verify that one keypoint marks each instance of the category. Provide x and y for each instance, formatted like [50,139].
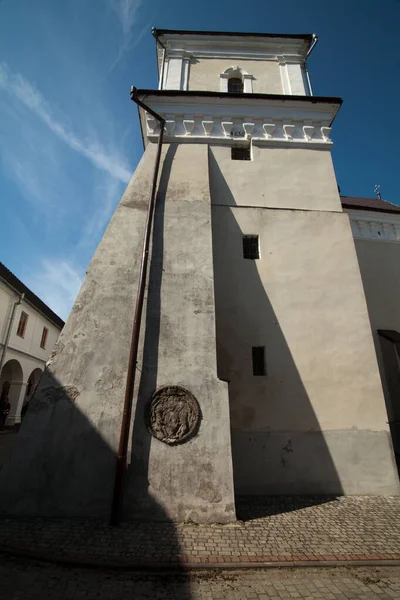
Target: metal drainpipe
[10,324]
[314,43]
[130,378]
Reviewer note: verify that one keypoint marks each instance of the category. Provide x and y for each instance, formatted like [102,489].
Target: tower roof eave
[181,94]
[308,117]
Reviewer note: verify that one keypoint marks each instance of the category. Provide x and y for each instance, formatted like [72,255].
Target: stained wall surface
[379,266]
[204,74]
[316,422]
[64,461]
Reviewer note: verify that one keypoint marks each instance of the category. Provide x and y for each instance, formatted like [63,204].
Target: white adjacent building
[28,331]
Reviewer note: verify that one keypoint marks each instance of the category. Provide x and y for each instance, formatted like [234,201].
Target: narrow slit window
[235,85]
[240,153]
[259,361]
[44,337]
[23,320]
[251,247]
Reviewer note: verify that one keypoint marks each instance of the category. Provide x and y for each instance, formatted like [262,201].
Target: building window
[44,337]
[251,247]
[240,153]
[23,320]
[259,361]
[235,85]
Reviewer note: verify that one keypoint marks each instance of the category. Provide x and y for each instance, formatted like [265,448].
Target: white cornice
[265,121]
[374,226]
[235,54]
[250,49]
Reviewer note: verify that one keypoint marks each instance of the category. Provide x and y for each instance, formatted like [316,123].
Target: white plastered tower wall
[316,423]
[64,461]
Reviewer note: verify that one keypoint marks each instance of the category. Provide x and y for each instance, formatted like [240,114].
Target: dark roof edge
[201,94]
[383,206]
[17,284]
[299,36]
[369,209]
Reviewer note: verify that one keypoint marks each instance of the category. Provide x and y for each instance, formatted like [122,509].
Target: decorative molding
[268,130]
[265,121]
[326,131]
[236,71]
[289,130]
[173,415]
[169,126]
[216,127]
[248,128]
[188,125]
[207,126]
[376,229]
[308,131]
[227,127]
[179,45]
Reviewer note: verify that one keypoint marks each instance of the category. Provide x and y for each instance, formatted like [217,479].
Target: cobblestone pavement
[283,530]
[24,580]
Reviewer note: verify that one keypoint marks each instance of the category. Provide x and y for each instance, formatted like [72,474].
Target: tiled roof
[373,204]
[14,282]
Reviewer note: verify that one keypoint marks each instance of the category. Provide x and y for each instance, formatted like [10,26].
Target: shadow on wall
[137,496]
[61,467]
[277,444]
[389,341]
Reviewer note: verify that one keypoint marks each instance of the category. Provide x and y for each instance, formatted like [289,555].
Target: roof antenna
[377,191]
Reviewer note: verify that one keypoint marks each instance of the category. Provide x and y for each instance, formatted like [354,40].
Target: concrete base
[303,463]
[63,463]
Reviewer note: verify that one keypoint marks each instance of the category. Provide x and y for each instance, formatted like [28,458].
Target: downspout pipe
[9,327]
[120,467]
[313,44]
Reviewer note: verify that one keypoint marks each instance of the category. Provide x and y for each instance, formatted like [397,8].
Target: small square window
[44,337]
[240,153]
[259,361]
[23,320]
[251,247]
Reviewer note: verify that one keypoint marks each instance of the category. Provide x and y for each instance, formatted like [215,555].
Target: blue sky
[69,134]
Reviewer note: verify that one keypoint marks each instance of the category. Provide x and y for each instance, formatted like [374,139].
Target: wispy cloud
[103,158]
[127,14]
[107,194]
[126,11]
[57,283]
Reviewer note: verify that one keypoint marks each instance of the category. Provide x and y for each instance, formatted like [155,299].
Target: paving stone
[351,528]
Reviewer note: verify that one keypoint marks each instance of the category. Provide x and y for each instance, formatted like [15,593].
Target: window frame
[22,324]
[45,333]
[238,86]
[236,72]
[238,148]
[251,255]
[258,361]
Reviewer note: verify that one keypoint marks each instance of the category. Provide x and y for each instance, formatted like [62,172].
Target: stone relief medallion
[173,415]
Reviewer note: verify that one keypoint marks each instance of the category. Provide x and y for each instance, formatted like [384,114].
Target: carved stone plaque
[173,415]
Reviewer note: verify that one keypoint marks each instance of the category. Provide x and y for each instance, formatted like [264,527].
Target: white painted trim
[236,71]
[206,46]
[377,227]
[226,118]
[248,84]
[284,76]
[185,74]
[179,127]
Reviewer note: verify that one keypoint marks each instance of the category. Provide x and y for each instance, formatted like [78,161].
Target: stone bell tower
[256,371]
